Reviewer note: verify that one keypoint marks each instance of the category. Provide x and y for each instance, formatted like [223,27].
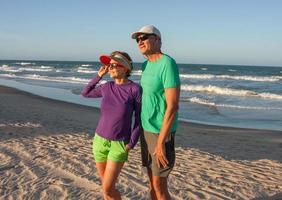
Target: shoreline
[182,120]
[45,153]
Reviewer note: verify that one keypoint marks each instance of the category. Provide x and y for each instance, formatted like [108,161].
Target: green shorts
[104,150]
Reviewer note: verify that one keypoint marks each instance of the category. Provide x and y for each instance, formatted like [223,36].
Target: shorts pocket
[118,151]
[99,150]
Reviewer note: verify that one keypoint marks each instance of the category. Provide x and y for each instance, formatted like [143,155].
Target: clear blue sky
[194,31]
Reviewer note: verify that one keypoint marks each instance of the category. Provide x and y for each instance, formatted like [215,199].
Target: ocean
[225,95]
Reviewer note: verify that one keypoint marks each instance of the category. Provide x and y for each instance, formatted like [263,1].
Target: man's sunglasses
[143,37]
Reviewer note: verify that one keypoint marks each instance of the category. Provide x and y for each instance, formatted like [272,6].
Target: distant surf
[241,96]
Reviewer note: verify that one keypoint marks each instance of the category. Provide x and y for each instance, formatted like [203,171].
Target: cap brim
[135,34]
[104,59]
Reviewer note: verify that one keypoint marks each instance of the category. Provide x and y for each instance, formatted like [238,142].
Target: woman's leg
[101,166]
[111,174]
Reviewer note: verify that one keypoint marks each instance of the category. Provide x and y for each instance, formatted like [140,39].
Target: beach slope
[45,153]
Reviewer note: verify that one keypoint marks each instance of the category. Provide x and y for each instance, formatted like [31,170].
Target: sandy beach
[45,153]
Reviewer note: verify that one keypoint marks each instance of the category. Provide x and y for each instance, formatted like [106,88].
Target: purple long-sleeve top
[119,102]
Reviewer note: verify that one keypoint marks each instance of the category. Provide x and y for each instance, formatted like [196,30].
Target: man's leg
[159,175]
[151,186]
[160,188]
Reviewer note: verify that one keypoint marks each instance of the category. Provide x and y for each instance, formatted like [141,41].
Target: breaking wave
[246,78]
[228,91]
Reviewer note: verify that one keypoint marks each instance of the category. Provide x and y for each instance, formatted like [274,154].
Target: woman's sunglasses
[143,37]
[115,65]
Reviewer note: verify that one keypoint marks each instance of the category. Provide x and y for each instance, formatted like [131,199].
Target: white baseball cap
[149,29]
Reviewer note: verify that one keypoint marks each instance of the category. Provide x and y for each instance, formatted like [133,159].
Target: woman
[114,135]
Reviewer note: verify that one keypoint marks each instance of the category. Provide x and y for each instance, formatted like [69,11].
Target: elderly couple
[115,136]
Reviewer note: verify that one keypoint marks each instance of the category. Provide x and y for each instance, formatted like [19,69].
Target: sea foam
[47,78]
[246,78]
[228,91]
[209,103]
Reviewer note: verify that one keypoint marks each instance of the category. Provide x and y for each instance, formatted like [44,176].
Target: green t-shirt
[156,77]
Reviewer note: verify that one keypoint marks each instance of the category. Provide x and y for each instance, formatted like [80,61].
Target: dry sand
[45,153]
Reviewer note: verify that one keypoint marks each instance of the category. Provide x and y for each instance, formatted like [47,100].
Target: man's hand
[161,156]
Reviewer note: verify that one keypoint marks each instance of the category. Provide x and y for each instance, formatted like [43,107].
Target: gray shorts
[148,144]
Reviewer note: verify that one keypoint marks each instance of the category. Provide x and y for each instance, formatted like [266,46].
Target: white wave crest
[270,96]
[21,69]
[58,79]
[246,78]
[229,91]
[208,103]
[86,70]
[36,69]
[199,101]
[6,68]
[24,63]
[86,65]
[46,67]
[252,78]
[47,78]
[8,75]
[197,76]
[136,72]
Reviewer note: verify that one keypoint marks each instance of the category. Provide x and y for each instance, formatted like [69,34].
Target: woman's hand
[127,148]
[103,70]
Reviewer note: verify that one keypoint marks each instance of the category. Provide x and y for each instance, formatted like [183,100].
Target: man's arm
[172,100]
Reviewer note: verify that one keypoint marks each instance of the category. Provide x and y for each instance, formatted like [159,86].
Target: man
[161,88]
